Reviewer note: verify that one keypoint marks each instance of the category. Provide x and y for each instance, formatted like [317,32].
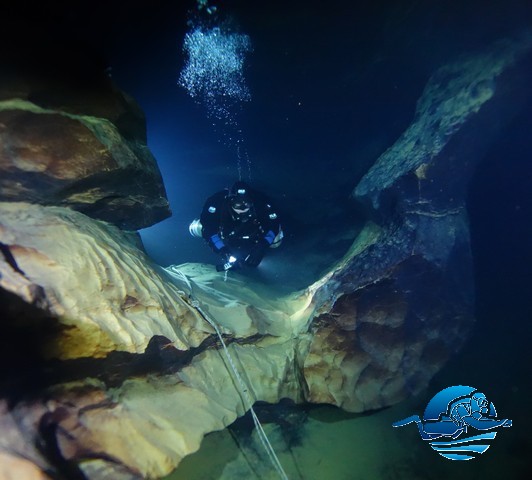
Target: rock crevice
[131,374]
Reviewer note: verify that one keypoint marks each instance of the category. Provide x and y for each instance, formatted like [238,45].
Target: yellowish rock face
[14,465]
[372,330]
[57,153]
[106,293]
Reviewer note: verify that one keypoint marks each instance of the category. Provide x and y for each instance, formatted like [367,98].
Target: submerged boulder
[122,366]
[82,146]
[395,311]
[103,290]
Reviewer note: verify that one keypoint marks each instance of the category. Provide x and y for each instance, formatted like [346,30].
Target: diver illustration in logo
[450,413]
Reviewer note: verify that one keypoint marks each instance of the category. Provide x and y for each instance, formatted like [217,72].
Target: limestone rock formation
[79,146]
[110,316]
[117,370]
[395,311]
[96,282]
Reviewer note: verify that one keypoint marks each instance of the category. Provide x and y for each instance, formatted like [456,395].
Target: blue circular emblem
[453,412]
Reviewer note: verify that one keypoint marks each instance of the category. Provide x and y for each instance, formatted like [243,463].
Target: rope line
[244,390]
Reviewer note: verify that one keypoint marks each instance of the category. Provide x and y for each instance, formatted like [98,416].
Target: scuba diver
[240,225]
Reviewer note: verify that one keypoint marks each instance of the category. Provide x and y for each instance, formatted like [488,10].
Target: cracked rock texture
[116,370]
[80,146]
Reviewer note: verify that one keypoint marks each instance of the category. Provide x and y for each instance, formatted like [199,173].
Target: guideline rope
[244,390]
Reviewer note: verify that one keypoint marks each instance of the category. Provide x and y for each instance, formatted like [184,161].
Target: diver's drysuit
[240,224]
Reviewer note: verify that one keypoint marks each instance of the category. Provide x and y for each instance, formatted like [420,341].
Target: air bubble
[214,68]
[213,75]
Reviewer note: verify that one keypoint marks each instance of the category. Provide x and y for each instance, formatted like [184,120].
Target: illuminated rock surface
[78,147]
[117,375]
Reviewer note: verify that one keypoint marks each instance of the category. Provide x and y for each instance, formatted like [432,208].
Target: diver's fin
[406,421]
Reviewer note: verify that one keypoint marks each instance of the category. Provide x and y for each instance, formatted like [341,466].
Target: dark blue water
[333,85]
[331,89]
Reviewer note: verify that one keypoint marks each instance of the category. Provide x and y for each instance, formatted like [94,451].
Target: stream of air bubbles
[213,75]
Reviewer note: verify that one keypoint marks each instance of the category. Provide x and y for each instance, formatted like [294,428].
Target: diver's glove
[256,254]
[228,262]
